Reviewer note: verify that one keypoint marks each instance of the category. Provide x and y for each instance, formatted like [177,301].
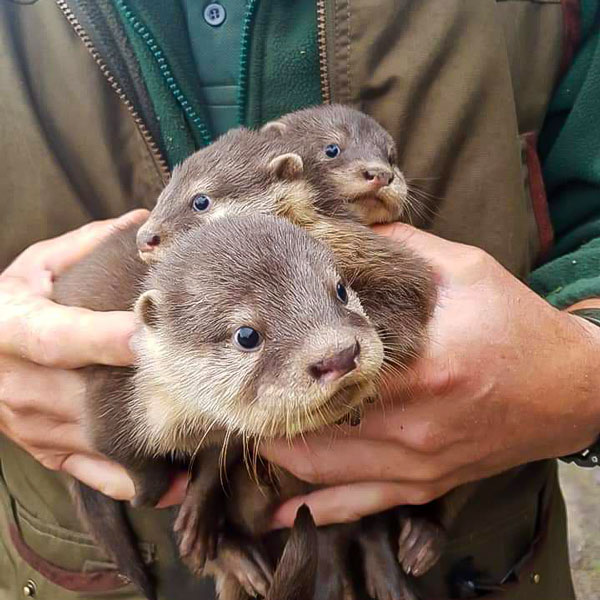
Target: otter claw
[420,545]
[352,418]
[246,562]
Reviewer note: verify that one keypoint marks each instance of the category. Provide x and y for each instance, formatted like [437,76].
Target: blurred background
[581,488]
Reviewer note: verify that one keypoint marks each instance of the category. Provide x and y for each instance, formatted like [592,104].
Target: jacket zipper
[244,53]
[194,118]
[322,42]
[85,38]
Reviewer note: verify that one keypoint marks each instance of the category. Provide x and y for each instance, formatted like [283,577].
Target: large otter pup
[247,329]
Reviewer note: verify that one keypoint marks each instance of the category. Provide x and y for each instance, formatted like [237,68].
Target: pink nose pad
[148,242]
[336,366]
[380,177]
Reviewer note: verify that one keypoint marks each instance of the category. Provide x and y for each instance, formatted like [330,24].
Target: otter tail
[106,521]
[296,572]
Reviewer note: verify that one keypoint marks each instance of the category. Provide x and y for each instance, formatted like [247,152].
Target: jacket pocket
[56,562]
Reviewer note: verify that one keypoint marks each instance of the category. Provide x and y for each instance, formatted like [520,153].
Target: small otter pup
[350,161]
[247,329]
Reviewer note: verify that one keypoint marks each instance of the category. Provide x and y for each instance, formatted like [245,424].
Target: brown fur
[340,183]
[259,271]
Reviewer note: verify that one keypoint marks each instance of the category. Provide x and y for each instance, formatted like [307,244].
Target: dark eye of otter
[342,293]
[247,338]
[200,202]
[332,151]
[392,157]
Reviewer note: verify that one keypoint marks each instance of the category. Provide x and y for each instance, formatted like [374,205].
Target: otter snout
[336,366]
[147,241]
[378,176]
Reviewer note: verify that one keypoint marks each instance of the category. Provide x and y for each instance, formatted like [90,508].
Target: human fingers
[326,462]
[452,262]
[48,440]
[50,334]
[344,504]
[101,474]
[427,244]
[27,388]
[57,254]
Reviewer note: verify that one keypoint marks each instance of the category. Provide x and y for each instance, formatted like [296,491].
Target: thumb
[439,252]
[53,256]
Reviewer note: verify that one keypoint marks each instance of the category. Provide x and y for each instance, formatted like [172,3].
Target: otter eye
[332,151]
[247,338]
[200,202]
[392,157]
[342,293]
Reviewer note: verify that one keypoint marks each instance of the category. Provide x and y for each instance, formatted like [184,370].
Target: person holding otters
[493,107]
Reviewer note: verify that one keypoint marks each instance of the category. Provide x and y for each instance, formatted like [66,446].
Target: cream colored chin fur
[177,412]
[371,206]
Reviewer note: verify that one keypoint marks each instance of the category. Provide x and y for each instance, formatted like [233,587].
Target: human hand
[506,379]
[41,345]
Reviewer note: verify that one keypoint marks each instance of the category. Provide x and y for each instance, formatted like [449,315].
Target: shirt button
[214,14]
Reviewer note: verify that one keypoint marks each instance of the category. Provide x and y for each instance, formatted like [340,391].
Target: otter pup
[247,329]
[350,161]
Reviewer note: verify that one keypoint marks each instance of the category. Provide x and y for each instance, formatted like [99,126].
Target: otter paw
[246,562]
[420,545]
[197,534]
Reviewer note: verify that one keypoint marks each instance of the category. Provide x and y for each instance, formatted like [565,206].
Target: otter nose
[146,242]
[381,177]
[336,366]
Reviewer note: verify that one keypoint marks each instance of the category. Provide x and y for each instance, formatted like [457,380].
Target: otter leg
[333,581]
[384,580]
[420,543]
[201,515]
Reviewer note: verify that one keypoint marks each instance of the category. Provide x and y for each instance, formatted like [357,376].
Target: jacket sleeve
[569,147]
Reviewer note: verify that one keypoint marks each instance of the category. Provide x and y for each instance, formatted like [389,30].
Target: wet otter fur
[193,387]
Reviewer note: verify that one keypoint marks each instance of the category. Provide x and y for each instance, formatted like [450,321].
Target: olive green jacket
[463,85]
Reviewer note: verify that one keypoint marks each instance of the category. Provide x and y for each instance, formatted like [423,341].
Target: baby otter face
[249,328]
[349,159]
[236,175]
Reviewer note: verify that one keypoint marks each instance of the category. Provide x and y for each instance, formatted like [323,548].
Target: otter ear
[287,166]
[146,308]
[276,127]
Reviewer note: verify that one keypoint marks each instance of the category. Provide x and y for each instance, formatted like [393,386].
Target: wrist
[586,320]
